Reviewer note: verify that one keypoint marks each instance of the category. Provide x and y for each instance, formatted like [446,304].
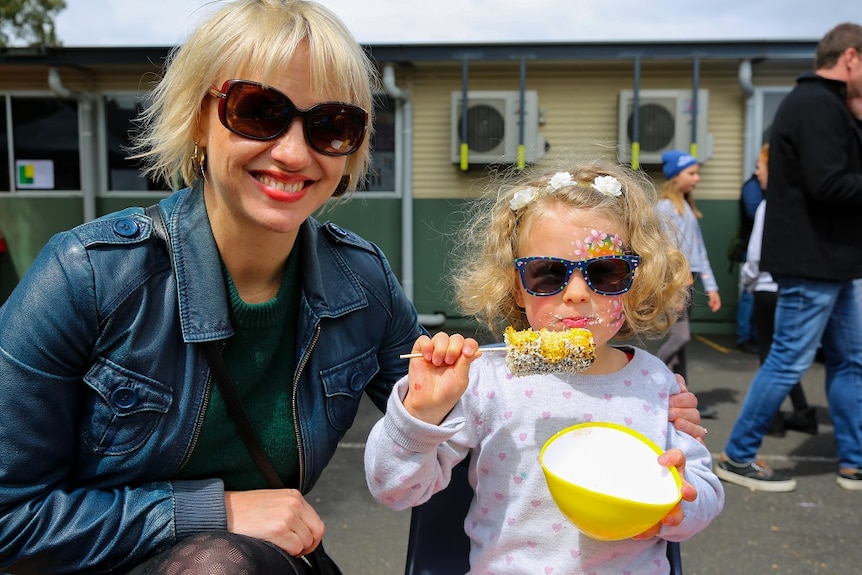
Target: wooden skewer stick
[481,348]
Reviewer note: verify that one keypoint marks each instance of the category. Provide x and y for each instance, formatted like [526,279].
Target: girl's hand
[676,458]
[714,301]
[437,380]
[281,516]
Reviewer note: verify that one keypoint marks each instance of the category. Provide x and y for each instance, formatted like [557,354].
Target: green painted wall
[720,218]
[28,223]
[379,220]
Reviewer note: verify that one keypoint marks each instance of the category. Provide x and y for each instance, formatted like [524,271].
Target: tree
[29,22]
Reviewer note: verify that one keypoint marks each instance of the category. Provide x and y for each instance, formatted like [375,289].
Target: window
[123,174]
[767,102]
[381,175]
[46,146]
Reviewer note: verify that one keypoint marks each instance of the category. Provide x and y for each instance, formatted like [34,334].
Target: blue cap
[675,161]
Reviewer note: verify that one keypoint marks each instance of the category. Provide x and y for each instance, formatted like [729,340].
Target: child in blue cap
[682,173]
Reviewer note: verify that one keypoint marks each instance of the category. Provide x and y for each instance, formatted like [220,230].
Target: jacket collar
[330,286]
[838,87]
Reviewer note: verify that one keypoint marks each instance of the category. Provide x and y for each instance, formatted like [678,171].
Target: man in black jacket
[812,246]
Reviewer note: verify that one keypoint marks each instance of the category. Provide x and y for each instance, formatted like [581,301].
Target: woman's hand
[281,516]
[672,458]
[683,412]
[438,379]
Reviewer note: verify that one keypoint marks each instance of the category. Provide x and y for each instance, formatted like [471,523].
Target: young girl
[682,173]
[583,248]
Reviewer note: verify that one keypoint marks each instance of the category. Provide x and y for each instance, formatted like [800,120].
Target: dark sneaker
[747,346]
[757,476]
[850,479]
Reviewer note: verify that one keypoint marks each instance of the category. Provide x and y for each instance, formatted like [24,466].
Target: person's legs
[746,329]
[220,553]
[801,315]
[763,316]
[679,337]
[803,418]
[842,348]
[674,345]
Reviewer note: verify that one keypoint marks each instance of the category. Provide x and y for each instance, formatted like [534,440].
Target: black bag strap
[239,415]
[160,231]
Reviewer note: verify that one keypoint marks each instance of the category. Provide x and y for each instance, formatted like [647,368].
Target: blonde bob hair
[243,37]
[486,276]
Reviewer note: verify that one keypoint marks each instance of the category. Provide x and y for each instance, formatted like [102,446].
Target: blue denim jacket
[103,392]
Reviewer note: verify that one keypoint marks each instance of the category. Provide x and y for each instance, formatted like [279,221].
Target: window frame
[398,159]
[103,168]
[83,153]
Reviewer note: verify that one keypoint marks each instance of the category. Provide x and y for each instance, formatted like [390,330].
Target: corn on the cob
[530,352]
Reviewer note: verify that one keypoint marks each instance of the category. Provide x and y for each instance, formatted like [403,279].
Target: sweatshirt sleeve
[700,260]
[697,514]
[408,460]
[751,267]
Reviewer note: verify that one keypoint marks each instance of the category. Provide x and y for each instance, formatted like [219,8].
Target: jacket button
[338,230]
[357,380]
[126,228]
[124,397]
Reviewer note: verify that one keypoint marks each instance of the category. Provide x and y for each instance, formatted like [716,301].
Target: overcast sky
[167,22]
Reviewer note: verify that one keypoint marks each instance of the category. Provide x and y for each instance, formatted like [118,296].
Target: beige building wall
[578,102]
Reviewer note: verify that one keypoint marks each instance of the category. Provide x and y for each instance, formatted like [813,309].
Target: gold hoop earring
[341,189]
[199,161]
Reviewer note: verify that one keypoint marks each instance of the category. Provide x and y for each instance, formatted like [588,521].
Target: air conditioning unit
[664,123]
[493,127]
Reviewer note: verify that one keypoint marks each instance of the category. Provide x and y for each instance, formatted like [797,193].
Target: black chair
[437,544]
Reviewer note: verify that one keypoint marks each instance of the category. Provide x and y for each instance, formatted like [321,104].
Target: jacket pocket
[343,385]
[123,409]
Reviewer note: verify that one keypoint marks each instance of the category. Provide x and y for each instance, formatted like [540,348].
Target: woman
[116,449]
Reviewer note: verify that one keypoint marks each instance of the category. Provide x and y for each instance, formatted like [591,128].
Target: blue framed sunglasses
[605,275]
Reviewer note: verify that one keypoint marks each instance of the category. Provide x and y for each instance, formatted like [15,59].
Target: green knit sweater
[260,358]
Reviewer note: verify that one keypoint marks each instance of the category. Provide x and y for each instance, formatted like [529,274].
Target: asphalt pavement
[816,529]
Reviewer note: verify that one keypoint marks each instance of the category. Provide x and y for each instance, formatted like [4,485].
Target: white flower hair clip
[560,180]
[526,195]
[608,185]
[522,197]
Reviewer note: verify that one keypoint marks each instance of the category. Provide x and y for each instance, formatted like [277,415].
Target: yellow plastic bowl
[606,479]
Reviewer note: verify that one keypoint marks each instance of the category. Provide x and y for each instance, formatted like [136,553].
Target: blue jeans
[808,310]
[744,309]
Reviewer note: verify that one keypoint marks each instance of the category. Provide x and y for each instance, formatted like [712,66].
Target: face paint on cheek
[598,244]
[616,315]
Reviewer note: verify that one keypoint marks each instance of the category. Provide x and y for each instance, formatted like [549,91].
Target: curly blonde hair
[485,280]
[243,37]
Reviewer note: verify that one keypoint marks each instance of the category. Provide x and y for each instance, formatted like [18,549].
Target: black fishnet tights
[219,553]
